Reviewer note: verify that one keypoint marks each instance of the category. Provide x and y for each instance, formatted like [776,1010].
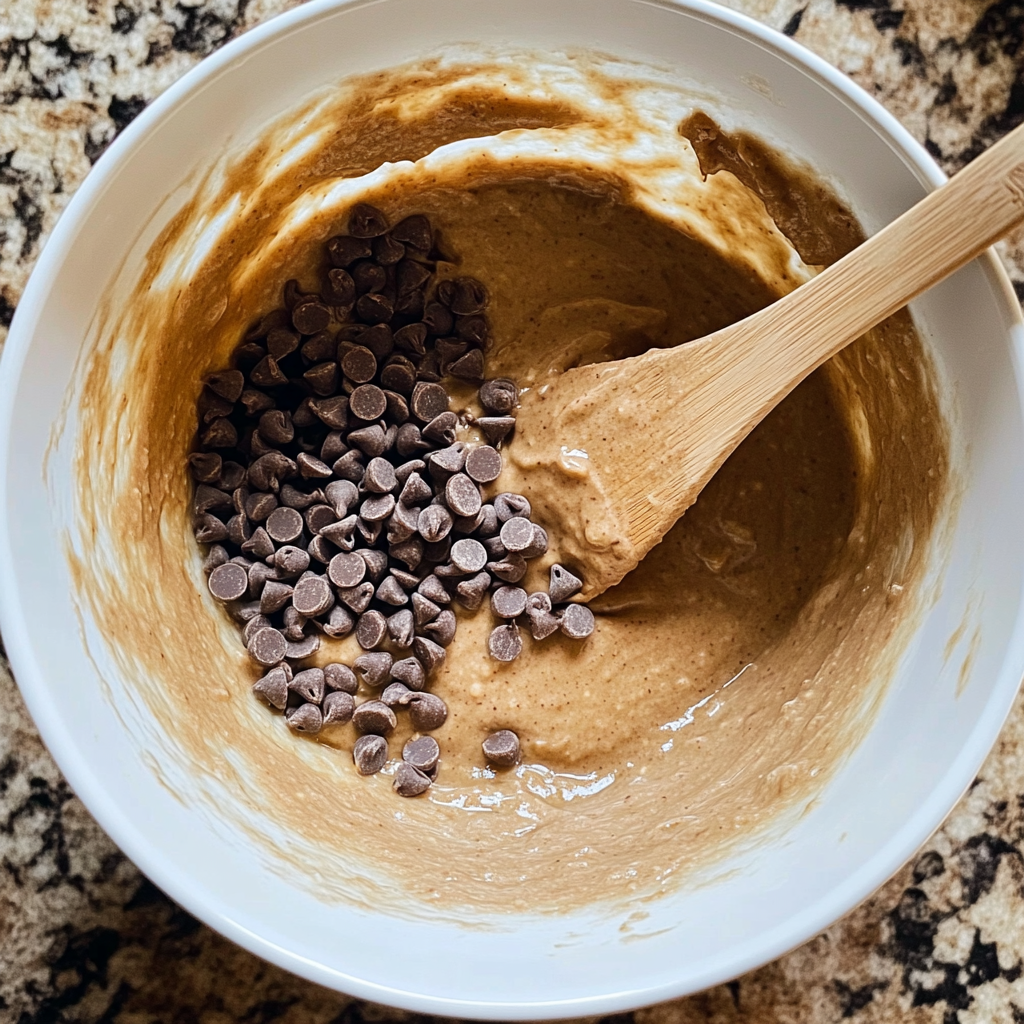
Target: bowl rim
[760,949]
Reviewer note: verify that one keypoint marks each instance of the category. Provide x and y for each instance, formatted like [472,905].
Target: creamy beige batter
[728,675]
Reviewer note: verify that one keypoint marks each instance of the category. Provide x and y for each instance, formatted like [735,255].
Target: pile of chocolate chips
[335,498]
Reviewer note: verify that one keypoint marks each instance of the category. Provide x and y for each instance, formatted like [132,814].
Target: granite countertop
[85,938]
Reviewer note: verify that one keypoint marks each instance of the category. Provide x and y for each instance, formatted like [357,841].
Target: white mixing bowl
[939,717]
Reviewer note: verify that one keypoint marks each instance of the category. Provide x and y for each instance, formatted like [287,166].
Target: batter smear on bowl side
[604,208]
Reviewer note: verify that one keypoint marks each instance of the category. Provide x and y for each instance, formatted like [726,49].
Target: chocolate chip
[394,695]
[258,506]
[268,646]
[368,403]
[346,570]
[350,465]
[450,460]
[409,553]
[429,654]
[471,592]
[322,378]
[340,677]
[281,343]
[338,708]
[468,555]
[390,592]
[309,684]
[469,366]
[399,378]
[428,401]
[374,308]
[563,584]
[374,716]
[577,621]
[370,754]
[359,365]
[274,597]
[341,495]
[409,440]
[258,544]
[509,505]
[422,753]
[306,718]
[368,277]
[276,427]
[505,643]
[273,687]
[499,396]
[463,496]
[217,555]
[435,523]
[508,602]
[304,648]
[426,711]
[311,467]
[256,401]
[220,433]
[267,374]
[403,523]
[442,428]
[415,231]
[402,628]
[377,509]
[543,622]
[339,622]
[284,525]
[410,672]
[205,466]
[344,250]
[357,598]
[412,339]
[495,428]
[409,781]
[318,517]
[442,629]
[331,411]
[511,569]
[228,582]
[423,610]
[370,629]
[226,383]
[517,534]
[341,533]
[494,548]
[415,491]
[387,250]
[483,464]
[293,624]
[380,476]
[232,475]
[338,287]
[374,669]
[291,561]
[538,545]
[468,297]
[433,590]
[501,748]
[312,596]
[376,563]
[366,221]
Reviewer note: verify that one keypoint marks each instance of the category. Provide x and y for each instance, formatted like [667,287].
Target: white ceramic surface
[938,720]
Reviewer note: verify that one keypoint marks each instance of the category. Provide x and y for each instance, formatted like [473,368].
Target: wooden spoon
[612,454]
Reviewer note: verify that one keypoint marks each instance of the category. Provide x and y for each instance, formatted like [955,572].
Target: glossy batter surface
[728,675]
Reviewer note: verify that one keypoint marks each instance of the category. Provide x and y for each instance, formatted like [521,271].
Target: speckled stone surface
[85,938]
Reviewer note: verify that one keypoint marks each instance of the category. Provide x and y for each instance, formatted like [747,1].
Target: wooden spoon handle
[730,380]
[937,236]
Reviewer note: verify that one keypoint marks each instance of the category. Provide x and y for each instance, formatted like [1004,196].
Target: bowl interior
[950,695]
